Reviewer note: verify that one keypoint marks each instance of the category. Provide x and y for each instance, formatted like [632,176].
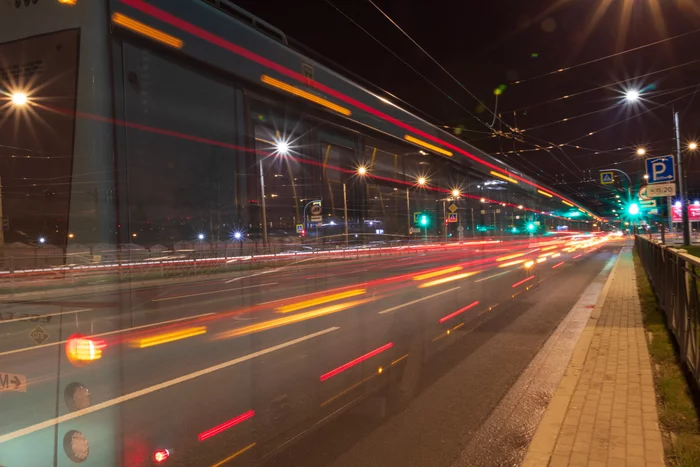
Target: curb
[543,442]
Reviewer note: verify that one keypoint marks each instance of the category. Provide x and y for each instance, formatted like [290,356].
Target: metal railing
[674,276]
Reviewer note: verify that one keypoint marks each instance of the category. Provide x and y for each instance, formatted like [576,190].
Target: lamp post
[361,171]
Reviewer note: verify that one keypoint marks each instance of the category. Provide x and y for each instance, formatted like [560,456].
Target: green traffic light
[633,209]
[530,226]
[423,220]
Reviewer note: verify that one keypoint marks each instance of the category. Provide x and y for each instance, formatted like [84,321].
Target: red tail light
[82,350]
[161,455]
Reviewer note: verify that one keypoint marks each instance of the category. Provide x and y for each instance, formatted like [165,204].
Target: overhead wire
[606,57]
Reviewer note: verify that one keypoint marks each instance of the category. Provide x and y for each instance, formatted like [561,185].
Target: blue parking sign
[660,169]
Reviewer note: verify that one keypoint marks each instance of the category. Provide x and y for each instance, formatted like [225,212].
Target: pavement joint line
[212,292]
[158,387]
[542,446]
[394,308]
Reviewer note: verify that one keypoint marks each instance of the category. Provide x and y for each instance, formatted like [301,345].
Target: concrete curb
[543,442]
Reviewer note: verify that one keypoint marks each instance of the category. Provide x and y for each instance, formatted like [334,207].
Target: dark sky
[484,44]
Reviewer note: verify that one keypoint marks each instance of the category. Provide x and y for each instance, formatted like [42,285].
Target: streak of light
[220,463]
[275,323]
[541,260]
[511,263]
[304,95]
[226,425]
[399,360]
[557,265]
[547,248]
[522,282]
[445,280]
[426,145]
[320,300]
[556,255]
[167,337]
[504,177]
[147,31]
[544,193]
[458,312]
[578,256]
[567,203]
[504,258]
[356,361]
[529,264]
[437,273]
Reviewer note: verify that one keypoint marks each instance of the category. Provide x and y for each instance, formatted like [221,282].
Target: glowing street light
[641,151]
[422,181]
[632,95]
[42,240]
[282,147]
[646,176]
[19,99]
[693,146]
[237,235]
[456,193]
[200,236]
[361,170]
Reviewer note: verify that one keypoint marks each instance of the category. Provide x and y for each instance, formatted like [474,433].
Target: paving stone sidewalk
[604,411]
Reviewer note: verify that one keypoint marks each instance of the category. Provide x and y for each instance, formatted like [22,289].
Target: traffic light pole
[681,184]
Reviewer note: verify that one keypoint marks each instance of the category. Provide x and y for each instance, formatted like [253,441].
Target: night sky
[484,45]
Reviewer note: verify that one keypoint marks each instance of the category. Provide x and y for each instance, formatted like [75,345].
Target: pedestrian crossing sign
[607,178]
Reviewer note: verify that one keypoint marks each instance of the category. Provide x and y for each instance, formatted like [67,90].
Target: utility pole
[681,184]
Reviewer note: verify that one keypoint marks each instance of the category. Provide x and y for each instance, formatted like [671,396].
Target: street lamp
[692,146]
[422,181]
[361,171]
[456,193]
[19,99]
[632,95]
[646,176]
[641,151]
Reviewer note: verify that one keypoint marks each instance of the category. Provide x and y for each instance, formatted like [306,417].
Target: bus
[352,239]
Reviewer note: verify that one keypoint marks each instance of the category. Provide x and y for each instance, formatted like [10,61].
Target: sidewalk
[604,411]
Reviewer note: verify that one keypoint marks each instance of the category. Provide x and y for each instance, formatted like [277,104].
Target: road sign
[452,208]
[660,169]
[653,211]
[642,193]
[13,382]
[316,209]
[452,217]
[651,203]
[661,189]
[607,178]
[460,229]
[300,228]
[38,335]
[316,219]
[415,217]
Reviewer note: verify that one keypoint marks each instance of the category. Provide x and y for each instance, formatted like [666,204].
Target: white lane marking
[143,326]
[212,292]
[388,310]
[157,387]
[42,316]
[280,269]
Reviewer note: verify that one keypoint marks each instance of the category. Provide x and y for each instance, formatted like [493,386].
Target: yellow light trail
[166,337]
[140,28]
[556,255]
[504,258]
[304,95]
[548,195]
[541,259]
[504,177]
[511,263]
[220,463]
[547,248]
[319,300]
[436,273]
[567,203]
[292,319]
[529,264]
[444,280]
[432,147]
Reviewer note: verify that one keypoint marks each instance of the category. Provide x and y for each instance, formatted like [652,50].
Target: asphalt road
[275,366]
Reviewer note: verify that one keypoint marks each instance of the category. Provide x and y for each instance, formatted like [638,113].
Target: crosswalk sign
[607,178]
